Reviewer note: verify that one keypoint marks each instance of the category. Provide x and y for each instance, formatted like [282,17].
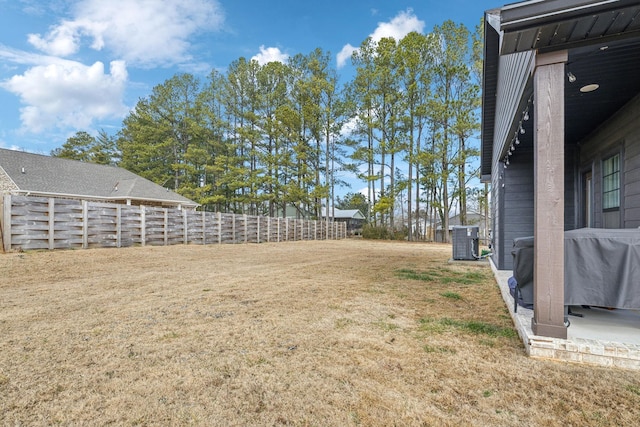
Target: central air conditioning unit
[465,243]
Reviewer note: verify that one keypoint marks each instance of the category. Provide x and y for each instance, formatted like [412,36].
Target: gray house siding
[515,207]
[620,134]
[512,97]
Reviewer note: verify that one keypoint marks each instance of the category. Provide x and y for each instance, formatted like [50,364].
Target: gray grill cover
[602,267]
[523,267]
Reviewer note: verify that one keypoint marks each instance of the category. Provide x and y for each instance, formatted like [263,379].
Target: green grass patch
[343,322]
[386,326]
[466,278]
[479,328]
[442,275]
[431,325]
[416,275]
[169,336]
[470,326]
[451,295]
[434,349]
[633,389]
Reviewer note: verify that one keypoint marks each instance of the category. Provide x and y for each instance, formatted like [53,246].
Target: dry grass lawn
[327,333]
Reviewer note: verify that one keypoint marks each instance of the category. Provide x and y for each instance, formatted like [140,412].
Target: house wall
[619,134]
[6,184]
[514,203]
[513,214]
[515,73]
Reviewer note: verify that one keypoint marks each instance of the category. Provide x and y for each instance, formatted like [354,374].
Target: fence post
[204,228]
[268,229]
[219,228]
[6,222]
[166,226]
[118,226]
[85,224]
[143,226]
[258,228]
[233,228]
[246,227]
[52,223]
[185,230]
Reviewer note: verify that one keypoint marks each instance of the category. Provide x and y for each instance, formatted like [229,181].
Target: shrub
[383,233]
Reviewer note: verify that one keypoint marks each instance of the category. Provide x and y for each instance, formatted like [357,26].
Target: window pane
[611,182]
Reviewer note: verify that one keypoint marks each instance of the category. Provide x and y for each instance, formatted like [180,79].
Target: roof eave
[93,197]
[528,14]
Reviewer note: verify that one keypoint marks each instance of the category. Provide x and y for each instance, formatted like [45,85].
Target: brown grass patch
[330,333]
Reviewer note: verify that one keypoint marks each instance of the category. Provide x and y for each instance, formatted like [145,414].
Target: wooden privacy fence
[52,223]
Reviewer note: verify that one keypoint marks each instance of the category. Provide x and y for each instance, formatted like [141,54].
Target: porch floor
[602,337]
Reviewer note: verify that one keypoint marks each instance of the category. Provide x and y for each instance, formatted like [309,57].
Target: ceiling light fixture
[572,78]
[589,88]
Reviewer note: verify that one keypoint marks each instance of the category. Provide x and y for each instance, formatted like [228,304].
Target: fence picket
[29,222]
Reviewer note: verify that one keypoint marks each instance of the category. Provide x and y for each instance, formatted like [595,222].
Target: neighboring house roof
[41,175]
[344,213]
[293,212]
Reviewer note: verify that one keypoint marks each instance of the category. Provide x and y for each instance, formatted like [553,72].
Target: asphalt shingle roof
[41,174]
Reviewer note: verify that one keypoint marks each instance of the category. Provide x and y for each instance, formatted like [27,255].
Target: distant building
[24,173]
[353,217]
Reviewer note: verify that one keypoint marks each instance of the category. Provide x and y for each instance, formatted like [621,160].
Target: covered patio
[600,337]
[561,149]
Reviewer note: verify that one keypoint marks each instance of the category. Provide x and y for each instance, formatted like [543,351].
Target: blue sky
[72,65]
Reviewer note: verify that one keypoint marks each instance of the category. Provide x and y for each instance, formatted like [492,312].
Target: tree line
[259,139]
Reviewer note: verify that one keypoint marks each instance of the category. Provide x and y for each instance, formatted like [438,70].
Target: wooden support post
[6,222]
[246,227]
[185,228]
[166,226]
[143,226]
[204,228]
[548,289]
[268,229]
[85,224]
[219,228]
[233,228]
[118,225]
[258,230]
[52,223]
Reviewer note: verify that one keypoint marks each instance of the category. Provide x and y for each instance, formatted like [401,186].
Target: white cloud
[144,33]
[63,40]
[68,94]
[404,23]
[270,54]
[349,127]
[345,54]
[399,26]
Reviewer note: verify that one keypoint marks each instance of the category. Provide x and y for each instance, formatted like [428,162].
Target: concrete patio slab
[601,337]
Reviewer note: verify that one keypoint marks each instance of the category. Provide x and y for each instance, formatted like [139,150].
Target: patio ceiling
[603,41]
